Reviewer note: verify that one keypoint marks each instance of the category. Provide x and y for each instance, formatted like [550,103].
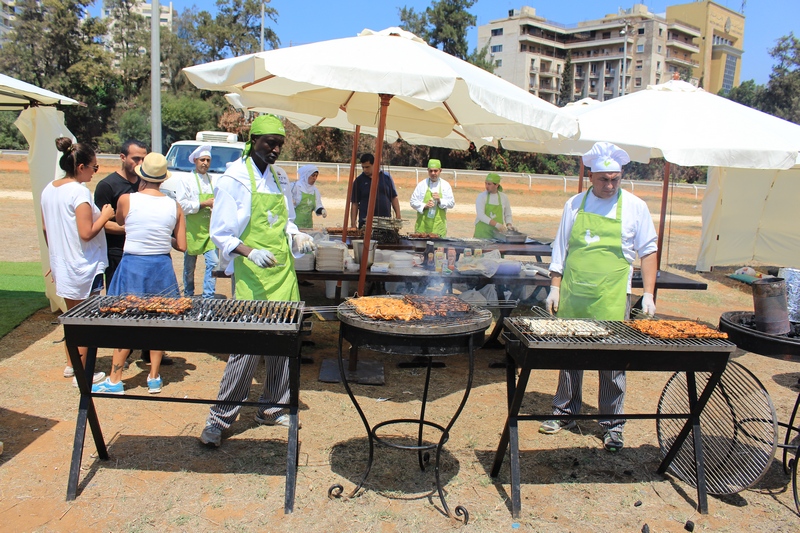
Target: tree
[782,95]
[235,31]
[129,39]
[748,93]
[566,94]
[443,25]
[479,58]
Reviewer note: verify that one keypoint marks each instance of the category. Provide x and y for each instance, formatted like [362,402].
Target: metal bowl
[512,237]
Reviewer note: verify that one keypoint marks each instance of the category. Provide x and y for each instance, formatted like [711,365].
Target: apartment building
[8,10]
[621,53]
[720,45]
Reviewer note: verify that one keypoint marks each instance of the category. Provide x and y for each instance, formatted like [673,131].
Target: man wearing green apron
[602,231]
[493,210]
[196,197]
[252,225]
[431,199]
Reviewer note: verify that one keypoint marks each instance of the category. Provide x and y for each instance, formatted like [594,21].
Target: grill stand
[527,359]
[428,346]
[263,343]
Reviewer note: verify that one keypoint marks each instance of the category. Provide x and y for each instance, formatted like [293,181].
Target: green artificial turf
[21,293]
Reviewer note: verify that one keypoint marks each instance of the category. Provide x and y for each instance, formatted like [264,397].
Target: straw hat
[153,168]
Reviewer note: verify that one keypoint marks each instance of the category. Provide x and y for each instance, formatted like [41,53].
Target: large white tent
[41,124]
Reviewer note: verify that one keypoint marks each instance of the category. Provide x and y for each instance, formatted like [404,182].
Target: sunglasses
[94,167]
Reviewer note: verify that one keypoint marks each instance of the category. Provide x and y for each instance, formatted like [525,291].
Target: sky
[305,21]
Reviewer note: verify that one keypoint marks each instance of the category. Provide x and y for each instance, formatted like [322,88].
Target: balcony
[534,70]
[547,89]
[681,61]
[683,45]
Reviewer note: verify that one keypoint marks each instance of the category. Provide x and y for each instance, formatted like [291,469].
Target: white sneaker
[69,371]
[97,378]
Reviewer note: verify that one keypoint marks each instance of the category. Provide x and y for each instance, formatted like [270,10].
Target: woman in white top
[154,224]
[76,243]
[493,209]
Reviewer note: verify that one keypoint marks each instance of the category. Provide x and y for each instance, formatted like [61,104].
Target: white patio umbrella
[389,79]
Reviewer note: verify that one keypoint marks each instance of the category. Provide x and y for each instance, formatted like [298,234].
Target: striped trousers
[235,386]
[610,396]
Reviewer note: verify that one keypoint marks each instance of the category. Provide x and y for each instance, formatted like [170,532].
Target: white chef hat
[204,150]
[606,157]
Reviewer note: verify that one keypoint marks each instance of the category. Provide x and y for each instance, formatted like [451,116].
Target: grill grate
[204,313]
[622,337]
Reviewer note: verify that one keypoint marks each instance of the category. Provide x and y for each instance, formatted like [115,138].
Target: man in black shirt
[385,201]
[109,190]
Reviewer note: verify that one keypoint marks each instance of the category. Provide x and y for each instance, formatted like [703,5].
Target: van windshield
[221,156]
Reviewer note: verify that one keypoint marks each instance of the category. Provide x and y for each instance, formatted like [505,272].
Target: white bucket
[330,288]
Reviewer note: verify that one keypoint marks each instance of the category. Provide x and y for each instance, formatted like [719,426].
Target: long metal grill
[204,313]
[621,337]
[738,428]
[473,320]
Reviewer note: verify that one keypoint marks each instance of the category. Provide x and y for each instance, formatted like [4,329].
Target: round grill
[738,425]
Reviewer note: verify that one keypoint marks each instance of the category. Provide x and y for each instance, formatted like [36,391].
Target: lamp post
[624,33]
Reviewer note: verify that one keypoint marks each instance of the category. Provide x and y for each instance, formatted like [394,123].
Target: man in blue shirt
[385,202]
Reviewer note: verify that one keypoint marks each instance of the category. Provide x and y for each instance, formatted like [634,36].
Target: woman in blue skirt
[154,224]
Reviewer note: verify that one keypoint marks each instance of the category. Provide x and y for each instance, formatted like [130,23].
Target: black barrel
[769,302]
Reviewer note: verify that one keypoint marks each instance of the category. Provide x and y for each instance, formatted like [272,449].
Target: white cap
[203,150]
[606,157]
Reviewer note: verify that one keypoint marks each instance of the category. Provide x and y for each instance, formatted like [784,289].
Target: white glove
[510,227]
[551,303]
[262,258]
[303,243]
[324,213]
[648,304]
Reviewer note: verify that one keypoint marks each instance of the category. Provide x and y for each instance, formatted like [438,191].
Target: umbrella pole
[373,192]
[353,157]
[580,177]
[663,218]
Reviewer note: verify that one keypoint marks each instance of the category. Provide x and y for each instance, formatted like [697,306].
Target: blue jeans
[209,282]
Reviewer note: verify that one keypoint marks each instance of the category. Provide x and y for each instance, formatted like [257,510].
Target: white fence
[570,183]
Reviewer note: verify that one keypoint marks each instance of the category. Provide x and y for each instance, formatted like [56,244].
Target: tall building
[8,10]
[146,10]
[531,51]
[721,42]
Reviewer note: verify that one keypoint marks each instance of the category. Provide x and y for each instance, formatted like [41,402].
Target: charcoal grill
[623,349]
[428,338]
[260,328]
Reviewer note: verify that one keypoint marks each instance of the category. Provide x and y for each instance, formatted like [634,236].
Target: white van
[225,149]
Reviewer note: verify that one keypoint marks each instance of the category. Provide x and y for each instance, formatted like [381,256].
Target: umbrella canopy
[455,140]
[16,94]
[432,91]
[690,127]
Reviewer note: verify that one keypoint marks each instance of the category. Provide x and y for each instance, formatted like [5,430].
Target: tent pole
[580,177]
[663,218]
[373,192]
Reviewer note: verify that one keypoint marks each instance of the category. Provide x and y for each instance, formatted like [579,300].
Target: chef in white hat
[196,197]
[602,231]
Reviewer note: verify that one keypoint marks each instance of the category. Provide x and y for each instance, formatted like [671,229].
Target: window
[639,48]
[497,32]
[579,71]
[497,48]
[641,31]
[593,68]
[523,48]
[638,64]
[621,49]
[660,32]
[637,82]
[606,35]
[498,63]
[658,65]
[659,48]
[730,72]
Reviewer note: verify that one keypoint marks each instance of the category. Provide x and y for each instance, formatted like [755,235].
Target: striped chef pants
[235,386]
[610,397]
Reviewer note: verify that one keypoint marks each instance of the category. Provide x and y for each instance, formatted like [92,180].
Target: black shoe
[165,359]
[305,283]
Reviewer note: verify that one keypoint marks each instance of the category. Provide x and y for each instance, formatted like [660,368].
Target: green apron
[495,212]
[595,282]
[266,230]
[198,239]
[437,224]
[303,210]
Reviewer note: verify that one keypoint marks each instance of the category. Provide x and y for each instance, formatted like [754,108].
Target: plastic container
[330,288]
[509,268]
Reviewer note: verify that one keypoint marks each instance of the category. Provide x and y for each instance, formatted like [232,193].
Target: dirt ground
[160,478]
